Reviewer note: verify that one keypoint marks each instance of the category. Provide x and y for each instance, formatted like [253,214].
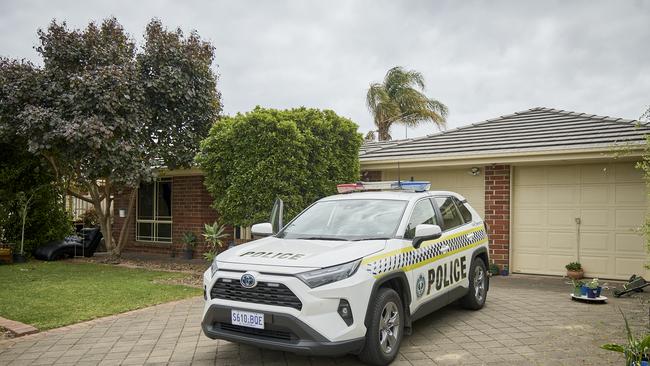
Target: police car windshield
[353,219]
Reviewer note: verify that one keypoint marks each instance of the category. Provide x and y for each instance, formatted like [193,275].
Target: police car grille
[268,333]
[277,294]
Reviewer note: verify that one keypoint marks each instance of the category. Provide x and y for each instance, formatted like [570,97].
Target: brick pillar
[497,211]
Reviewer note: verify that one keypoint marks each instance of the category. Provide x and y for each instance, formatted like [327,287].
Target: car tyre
[385,328]
[478,286]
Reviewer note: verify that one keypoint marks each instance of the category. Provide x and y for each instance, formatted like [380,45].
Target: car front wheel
[385,328]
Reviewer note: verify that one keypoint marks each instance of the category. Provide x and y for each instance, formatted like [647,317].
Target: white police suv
[351,273]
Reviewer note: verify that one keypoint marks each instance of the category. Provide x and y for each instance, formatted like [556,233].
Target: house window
[154,218]
[243,232]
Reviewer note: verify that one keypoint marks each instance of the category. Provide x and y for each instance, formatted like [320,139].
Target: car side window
[450,215]
[464,212]
[423,213]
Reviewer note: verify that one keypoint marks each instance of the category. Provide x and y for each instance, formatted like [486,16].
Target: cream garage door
[589,213]
[472,187]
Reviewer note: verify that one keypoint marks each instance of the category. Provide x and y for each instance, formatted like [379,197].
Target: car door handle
[444,248]
[470,236]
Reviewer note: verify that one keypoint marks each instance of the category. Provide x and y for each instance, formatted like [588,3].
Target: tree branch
[52,162]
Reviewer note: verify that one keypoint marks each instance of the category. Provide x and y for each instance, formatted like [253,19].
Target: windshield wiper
[377,238]
[322,238]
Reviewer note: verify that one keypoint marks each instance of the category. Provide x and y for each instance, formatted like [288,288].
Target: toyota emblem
[247,280]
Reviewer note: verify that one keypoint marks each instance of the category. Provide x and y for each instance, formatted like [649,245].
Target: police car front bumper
[282,332]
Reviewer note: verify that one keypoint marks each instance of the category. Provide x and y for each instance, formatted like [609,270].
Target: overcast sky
[482,59]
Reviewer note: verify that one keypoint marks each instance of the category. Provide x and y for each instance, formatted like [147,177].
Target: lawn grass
[53,294]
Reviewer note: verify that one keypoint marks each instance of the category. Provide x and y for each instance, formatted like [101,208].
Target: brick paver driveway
[527,320]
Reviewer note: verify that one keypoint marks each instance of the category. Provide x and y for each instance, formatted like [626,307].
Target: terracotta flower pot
[576,275]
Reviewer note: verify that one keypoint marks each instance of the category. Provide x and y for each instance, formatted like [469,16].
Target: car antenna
[398,178]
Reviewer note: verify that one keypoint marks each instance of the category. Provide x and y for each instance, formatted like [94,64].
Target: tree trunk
[105,226]
[103,214]
[22,235]
[126,226]
[383,132]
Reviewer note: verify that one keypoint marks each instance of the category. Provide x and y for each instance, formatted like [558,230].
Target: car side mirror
[262,230]
[424,232]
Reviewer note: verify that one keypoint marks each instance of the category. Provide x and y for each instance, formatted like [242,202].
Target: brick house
[553,186]
[175,203]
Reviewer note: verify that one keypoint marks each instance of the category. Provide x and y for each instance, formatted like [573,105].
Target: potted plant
[494,269]
[578,287]
[504,270]
[189,239]
[213,235]
[593,288]
[574,270]
[636,350]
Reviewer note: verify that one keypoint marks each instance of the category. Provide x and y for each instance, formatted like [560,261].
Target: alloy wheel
[479,283]
[389,327]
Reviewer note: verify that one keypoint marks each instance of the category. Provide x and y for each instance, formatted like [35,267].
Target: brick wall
[190,211]
[497,211]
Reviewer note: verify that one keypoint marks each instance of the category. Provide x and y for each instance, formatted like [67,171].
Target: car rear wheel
[385,328]
[478,286]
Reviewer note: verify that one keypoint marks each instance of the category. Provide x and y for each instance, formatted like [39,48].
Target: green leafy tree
[399,99]
[103,113]
[298,155]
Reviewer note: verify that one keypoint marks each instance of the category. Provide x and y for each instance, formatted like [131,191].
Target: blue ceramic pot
[583,290]
[592,293]
[598,291]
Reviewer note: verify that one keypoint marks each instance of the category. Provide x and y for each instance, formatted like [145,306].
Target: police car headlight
[323,276]
[213,266]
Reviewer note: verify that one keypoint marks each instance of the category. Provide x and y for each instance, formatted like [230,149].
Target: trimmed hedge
[298,155]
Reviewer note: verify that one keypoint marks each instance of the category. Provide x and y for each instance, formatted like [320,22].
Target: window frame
[460,203]
[436,214]
[462,219]
[156,219]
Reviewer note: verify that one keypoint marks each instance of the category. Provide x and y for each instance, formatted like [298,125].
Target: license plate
[247,319]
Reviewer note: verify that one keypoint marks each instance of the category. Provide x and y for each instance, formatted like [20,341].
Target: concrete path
[527,320]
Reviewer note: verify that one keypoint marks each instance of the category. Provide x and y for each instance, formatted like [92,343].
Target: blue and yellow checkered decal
[406,259]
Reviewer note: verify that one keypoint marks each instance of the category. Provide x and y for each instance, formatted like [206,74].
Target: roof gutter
[520,157]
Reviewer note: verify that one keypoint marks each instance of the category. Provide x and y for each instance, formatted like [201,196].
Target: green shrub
[214,235]
[574,266]
[298,155]
[46,216]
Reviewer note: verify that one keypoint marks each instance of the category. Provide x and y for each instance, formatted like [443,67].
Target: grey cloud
[483,59]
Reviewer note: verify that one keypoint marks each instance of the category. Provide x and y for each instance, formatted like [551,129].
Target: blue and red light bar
[415,186]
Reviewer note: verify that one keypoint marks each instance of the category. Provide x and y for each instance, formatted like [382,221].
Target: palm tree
[400,99]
